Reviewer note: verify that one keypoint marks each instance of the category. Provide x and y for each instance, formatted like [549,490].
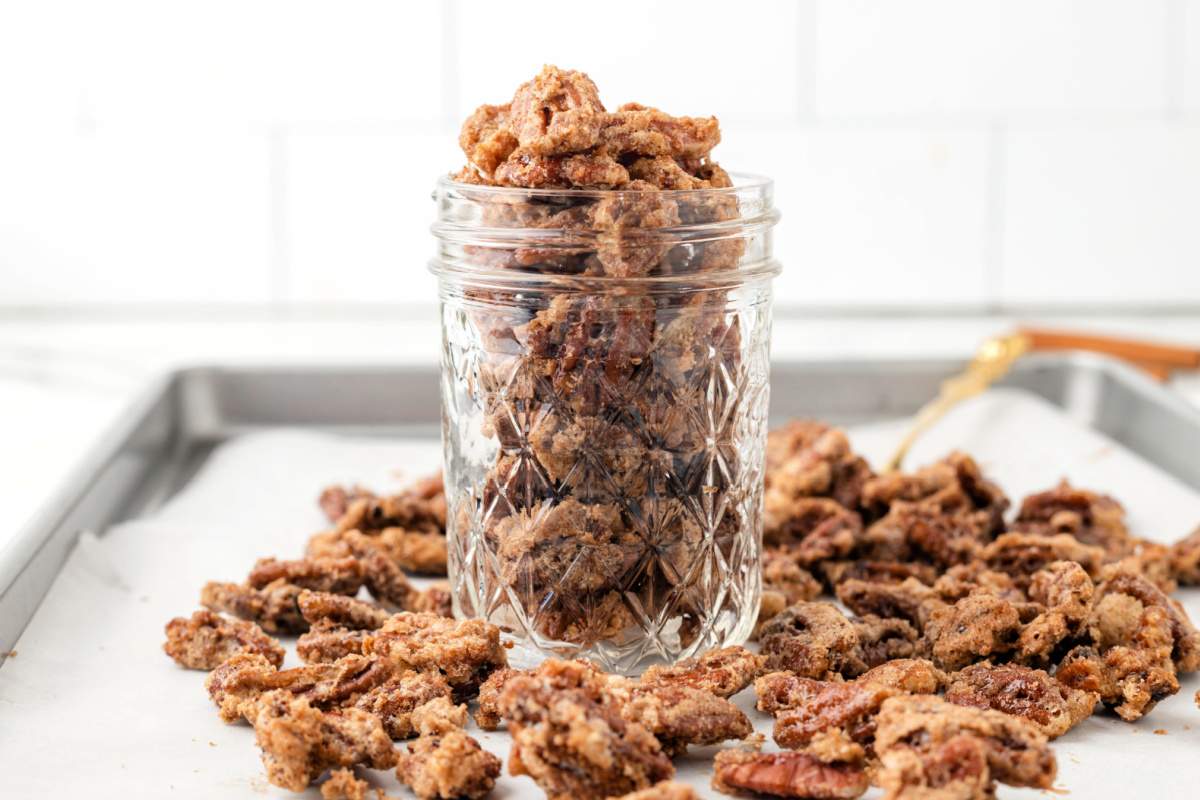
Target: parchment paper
[91,707]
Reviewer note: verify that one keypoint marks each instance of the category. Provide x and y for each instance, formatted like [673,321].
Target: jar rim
[742,182]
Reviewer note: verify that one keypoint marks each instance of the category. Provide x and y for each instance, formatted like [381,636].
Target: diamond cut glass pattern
[604,439]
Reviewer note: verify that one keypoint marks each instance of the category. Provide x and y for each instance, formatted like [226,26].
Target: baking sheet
[91,707]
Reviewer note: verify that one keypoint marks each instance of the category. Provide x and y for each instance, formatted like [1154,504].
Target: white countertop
[64,381]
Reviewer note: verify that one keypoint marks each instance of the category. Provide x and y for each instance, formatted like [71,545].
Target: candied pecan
[804,707]
[486,140]
[663,790]
[641,130]
[242,678]
[396,701]
[335,500]
[910,675]
[406,510]
[437,716]
[336,575]
[925,532]
[464,651]
[815,528]
[921,725]
[342,785]
[882,639]
[338,625]
[1093,519]
[976,627]
[1020,555]
[1129,680]
[1029,693]
[909,600]
[446,766]
[629,241]
[299,742]
[814,640]
[488,716]
[342,611]
[596,170]
[954,769]
[570,548]
[1141,638]
[420,551]
[273,606]
[723,672]
[1185,559]
[573,744]
[789,774]
[782,574]
[678,715]
[1065,590]
[953,485]
[325,643]
[810,459]
[835,572]
[557,111]
[664,172]
[1185,648]
[205,639]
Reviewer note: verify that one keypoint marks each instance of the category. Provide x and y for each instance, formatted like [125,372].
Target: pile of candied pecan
[972,641]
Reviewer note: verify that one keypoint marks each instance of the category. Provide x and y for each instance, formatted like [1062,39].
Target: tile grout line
[280,257]
[993,248]
[449,63]
[806,60]
[1174,56]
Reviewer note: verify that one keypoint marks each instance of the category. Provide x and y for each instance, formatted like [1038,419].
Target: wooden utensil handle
[1140,352]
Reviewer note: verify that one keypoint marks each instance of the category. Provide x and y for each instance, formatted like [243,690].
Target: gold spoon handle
[994,358]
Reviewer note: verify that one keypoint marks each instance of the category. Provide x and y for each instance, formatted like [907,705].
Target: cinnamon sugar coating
[342,785]
[1029,693]
[925,743]
[367,684]
[464,651]
[663,790]
[723,672]
[439,716]
[299,742]
[909,675]
[333,575]
[273,607]
[447,765]
[1091,518]
[1185,559]
[954,485]
[976,627]
[788,774]
[573,743]
[205,639]
[679,715]
[804,707]
[812,639]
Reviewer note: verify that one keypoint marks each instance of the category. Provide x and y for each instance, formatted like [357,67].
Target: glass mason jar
[604,413]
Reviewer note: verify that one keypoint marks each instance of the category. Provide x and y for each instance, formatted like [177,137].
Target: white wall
[958,154]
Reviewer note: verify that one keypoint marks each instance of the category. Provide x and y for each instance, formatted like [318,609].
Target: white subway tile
[709,57]
[132,219]
[942,56]
[358,213]
[1102,216]
[265,61]
[874,216]
[1190,62]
